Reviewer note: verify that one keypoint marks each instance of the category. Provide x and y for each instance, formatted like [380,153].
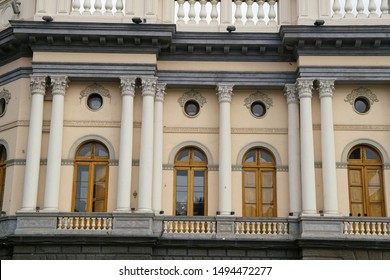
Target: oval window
[258,109]
[361,105]
[191,108]
[94,101]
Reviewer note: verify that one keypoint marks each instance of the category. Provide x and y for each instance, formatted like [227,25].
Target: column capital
[326,87]
[290,91]
[225,92]
[149,85]
[160,92]
[305,87]
[127,85]
[38,85]
[59,85]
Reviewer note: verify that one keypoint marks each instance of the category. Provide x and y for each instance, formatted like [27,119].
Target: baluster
[237,227]
[59,224]
[368,230]
[181,227]
[170,228]
[119,7]
[202,228]
[362,231]
[348,9]
[76,7]
[249,13]
[373,228]
[260,13]
[98,7]
[346,228]
[280,228]
[385,230]
[214,12]
[252,227]
[208,224]
[76,224]
[264,229]
[110,223]
[192,227]
[65,223]
[258,228]
[87,224]
[238,13]
[274,228]
[336,9]
[272,13]
[269,230]
[175,227]
[180,12]
[108,8]
[203,12]
[191,12]
[93,223]
[104,223]
[99,223]
[385,9]
[197,227]
[214,227]
[165,227]
[356,226]
[285,230]
[360,9]
[379,229]
[187,226]
[372,9]
[82,223]
[87,7]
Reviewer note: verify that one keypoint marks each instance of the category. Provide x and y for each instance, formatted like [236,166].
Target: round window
[3,106]
[361,105]
[94,101]
[258,109]
[191,108]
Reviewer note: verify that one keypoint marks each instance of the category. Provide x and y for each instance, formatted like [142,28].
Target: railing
[367,227]
[360,9]
[84,223]
[98,7]
[256,227]
[187,226]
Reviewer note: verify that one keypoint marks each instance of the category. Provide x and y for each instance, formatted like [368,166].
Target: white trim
[259,145]
[92,137]
[175,150]
[364,141]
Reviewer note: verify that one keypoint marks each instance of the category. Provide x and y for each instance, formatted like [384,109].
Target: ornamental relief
[361,92]
[6,95]
[95,88]
[258,96]
[192,95]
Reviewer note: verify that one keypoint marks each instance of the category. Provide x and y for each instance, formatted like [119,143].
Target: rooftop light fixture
[319,22]
[136,20]
[231,28]
[47,18]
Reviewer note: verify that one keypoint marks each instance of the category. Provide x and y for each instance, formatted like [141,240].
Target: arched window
[90,181]
[365,180]
[3,159]
[190,181]
[258,184]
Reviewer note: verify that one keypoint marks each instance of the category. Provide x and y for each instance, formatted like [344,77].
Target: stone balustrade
[261,227]
[375,227]
[84,223]
[360,9]
[175,226]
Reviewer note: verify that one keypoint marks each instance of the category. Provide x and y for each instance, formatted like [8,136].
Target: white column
[53,171]
[158,148]
[305,87]
[31,176]
[125,144]
[326,88]
[146,151]
[294,161]
[225,93]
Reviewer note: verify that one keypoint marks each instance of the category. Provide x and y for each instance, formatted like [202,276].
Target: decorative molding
[326,87]
[225,92]
[167,167]
[305,88]
[127,85]
[258,96]
[192,95]
[259,130]
[290,92]
[95,88]
[318,164]
[365,141]
[358,92]
[177,148]
[160,92]
[259,144]
[59,85]
[194,130]
[149,85]
[341,165]
[6,95]
[282,168]
[12,162]
[38,85]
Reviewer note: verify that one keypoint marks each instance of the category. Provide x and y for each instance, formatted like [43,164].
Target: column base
[309,214]
[332,214]
[50,210]
[27,210]
[122,210]
[143,210]
[225,213]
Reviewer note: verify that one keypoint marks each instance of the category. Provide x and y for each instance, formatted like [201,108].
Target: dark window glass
[95,101]
[362,105]
[258,109]
[191,108]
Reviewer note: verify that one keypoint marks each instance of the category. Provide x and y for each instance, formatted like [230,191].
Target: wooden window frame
[3,166]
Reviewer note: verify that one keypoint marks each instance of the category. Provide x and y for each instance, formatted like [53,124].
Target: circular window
[3,106]
[258,109]
[94,101]
[361,105]
[191,108]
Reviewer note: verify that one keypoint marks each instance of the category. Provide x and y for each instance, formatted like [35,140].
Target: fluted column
[225,93]
[31,176]
[329,179]
[158,147]
[53,171]
[146,151]
[305,87]
[294,161]
[125,144]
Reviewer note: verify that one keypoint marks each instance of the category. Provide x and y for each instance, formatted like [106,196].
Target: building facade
[195,129]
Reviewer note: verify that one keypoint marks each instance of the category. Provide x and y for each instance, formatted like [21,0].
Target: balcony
[205,15]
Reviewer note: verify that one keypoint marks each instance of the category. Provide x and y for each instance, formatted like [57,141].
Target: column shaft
[225,93]
[30,187]
[146,151]
[125,144]
[305,87]
[53,171]
[294,161]
[326,88]
[158,148]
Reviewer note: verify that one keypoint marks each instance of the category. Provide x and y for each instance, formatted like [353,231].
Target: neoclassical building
[184,129]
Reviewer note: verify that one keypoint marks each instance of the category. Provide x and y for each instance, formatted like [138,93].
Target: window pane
[100,151]
[375,194]
[81,188]
[198,156]
[183,156]
[376,210]
[85,151]
[268,210]
[267,196]
[251,157]
[371,154]
[181,192]
[250,179]
[250,195]
[355,154]
[265,157]
[199,182]
[373,177]
[250,210]
[99,188]
[267,179]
